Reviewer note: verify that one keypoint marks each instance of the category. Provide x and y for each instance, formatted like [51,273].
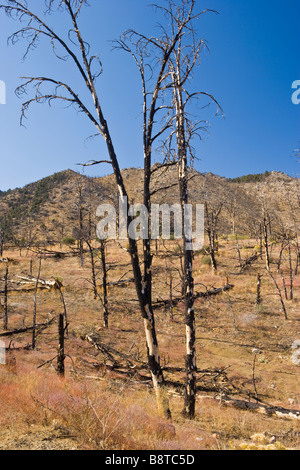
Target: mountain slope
[51,206]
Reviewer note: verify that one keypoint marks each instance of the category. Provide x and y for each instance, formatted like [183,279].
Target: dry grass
[110,410]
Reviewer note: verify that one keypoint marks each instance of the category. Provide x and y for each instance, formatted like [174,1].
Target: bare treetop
[89,66]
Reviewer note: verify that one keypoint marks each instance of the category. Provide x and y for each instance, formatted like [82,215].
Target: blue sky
[253,61]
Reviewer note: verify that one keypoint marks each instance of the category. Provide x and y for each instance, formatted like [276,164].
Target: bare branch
[94,162]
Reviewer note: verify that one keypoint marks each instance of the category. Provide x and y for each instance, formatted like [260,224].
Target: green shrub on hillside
[69,241]
[255,178]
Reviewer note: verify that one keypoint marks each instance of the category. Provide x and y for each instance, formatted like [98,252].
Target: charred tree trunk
[291,272]
[171,308]
[5,324]
[1,243]
[260,242]
[188,281]
[284,285]
[33,343]
[190,360]
[211,237]
[104,284]
[258,291]
[93,269]
[60,288]
[84,64]
[81,254]
[238,249]
[184,59]
[213,258]
[266,240]
[61,347]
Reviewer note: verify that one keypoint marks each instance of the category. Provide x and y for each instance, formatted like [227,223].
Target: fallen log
[40,327]
[108,351]
[56,254]
[9,260]
[248,262]
[118,283]
[198,295]
[260,408]
[47,284]
[213,292]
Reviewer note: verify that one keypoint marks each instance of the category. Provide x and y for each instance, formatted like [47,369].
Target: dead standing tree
[232,207]
[47,89]
[175,69]
[266,226]
[61,346]
[79,189]
[4,232]
[184,59]
[143,49]
[5,323]
[33,342]
[212,219]
[151,56]
[104,283]
[95,255]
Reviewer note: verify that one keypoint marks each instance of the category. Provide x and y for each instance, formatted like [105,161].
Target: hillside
[51,205]
[247,345]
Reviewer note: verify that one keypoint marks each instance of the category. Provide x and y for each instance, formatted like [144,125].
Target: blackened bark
[84,65]
[81,254]
[104,284]
[33,344]
[291,272]
[188,281]
[258,292]
[93,269]
[266,240]
[60,288]
[143,289]
[5,325]
[210,229]
[61,347]
[190,360]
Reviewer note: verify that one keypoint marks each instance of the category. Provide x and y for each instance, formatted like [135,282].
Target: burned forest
[154,307]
